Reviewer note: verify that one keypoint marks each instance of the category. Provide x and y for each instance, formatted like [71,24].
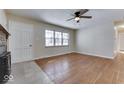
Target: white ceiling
[59,16]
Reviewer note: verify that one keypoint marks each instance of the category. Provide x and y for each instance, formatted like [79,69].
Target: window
[65,39]
[55,38]
[58,38]
[49,38]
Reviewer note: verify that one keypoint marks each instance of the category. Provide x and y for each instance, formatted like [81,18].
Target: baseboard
[42,57]
[57,55]
[96,55]
[14,62]
[54,55]
[78,53]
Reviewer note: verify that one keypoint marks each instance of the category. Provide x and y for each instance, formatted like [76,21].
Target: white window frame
[47,38]
[65,39]
[54,43]
[55,38]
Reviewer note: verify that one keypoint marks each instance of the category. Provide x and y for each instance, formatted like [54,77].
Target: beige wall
[39,49]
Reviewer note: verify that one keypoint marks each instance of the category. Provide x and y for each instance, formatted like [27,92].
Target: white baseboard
[13,62]
[40,57]
[107,57]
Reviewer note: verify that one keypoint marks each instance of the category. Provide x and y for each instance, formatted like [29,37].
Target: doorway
[119,29]
[121,42]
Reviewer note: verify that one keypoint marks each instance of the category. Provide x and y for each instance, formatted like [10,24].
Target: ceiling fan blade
[83,11]
[70,19]
[85,16]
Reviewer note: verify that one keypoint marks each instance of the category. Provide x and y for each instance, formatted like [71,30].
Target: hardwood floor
[76,68]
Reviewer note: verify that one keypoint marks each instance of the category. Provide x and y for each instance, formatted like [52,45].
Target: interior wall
[119,31]
[3,22]
[39,49]
[116,48]
[3,19]
[121,41]
[97,40]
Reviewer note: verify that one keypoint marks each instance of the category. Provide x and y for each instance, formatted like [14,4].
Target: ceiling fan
[78,15]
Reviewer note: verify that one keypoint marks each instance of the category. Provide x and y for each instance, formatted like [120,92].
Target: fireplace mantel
[4,31]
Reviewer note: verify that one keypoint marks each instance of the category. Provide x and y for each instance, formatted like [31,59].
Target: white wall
[121,41]
[3,19]
[39,49]
[96,40]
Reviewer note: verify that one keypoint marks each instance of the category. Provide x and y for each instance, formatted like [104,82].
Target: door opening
[119,32]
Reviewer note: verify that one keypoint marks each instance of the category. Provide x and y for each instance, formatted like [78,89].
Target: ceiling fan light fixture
[80,14]
[77,18]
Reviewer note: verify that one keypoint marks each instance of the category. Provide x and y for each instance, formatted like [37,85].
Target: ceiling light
[77,18]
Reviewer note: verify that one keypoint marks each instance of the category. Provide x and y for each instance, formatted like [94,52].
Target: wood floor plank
[75,68]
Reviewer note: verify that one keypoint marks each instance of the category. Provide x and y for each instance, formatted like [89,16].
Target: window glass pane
[65,38]
[49,42]
[65,41]
[58,38]
[49,38]
[53,38]
[58,42]
[58,35]
[49,34]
